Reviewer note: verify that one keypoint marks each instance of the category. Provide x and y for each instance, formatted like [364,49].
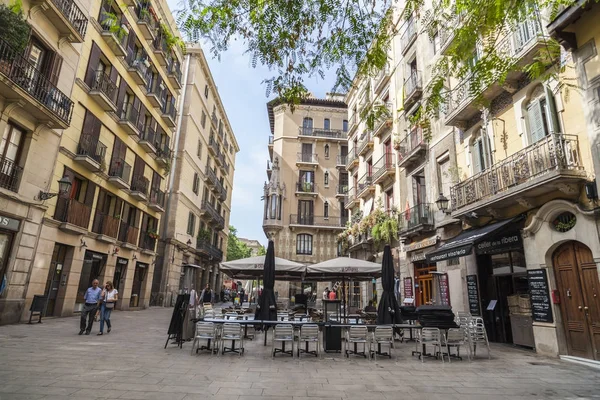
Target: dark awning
[462,244]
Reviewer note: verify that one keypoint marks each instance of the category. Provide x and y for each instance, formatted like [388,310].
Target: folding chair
[309,333]
[383,335]
[282,333]
[232,332]
[357,335]
[434,337]
[477,334]
[457,337]
[205,331]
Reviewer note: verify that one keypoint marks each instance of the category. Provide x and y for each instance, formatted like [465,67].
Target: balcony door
[307,125]
[10,149]
[387,148]
[307,150]
[305,212]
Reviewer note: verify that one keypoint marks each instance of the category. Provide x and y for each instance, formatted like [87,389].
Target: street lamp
[442,203]
[64,184]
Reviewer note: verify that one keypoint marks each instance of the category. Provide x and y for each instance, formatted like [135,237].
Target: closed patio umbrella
[388,311]
[267,306]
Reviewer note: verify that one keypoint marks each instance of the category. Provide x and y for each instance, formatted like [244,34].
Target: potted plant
[144,13]
[14,30]
[203,235]
[307,186]
[396,143]
[153,234]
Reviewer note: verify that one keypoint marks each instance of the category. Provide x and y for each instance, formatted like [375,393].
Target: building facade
[201,183]
[304,196]
[36,109]
[115,155]
[253,244]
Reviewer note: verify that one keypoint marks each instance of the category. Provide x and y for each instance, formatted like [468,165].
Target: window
[206,91]
[480,153]
[307,125]
[326,209]
[326,124]
[541,115]
[196,183]
[191,224]
[444,178]
[345,125]
[435,41]
[304,244]
[199,151]
[273,207]
[326,178]
[326,151]
[10,149]
[203,119]
[389,200]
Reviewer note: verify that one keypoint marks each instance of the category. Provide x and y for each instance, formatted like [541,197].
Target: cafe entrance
[424,282]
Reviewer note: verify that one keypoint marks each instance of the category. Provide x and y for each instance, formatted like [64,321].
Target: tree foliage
[235,248]
[262,250]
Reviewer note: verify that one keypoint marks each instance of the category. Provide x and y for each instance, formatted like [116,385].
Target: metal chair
[309,333]
[282,333]
[431,336]
[456,337]
[232,331]
[205,331]
[357,335]
[463,319]
[477,334]
[383,335]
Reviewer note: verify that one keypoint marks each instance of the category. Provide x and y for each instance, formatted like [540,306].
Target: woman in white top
[109,299]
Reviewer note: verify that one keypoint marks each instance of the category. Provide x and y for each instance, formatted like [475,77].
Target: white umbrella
[252,268]
[343,268]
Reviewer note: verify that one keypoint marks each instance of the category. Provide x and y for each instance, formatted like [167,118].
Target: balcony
[307,159]
[384,168]
[106,226]
[416,220]
[306,189]
[382,78]
[316,221]
[73,215]
[138,67]
[115,33]
[212,252]
[365,143]
[19,80]
[213,146]
[139,188]
[147,242]
[10,174]
[103,90]
[67,17]
[148,139]
[219,190]
[521,47]
[341,191]
[365,185]
[413,89]
[207,209]
[157,200]
[552,164]
[154,92]
[163,154]
[169,113]
[447,34]
[214,120]
[322,133]
[119,173]
[351,160]
[211,178]
[412,149]
[341,161]
[128,235]
[409,36]
[225,167]
[90,153]
[128,119]
[353,124]
[146,20]
[351,198]
[174,73]
[161,50]
[384,122]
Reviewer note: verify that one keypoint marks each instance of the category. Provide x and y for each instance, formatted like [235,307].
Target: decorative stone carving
[524,202]
[566,188]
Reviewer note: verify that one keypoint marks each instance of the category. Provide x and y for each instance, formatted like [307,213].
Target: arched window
[326,210]
[304,244]
[326,151]
[541,115]
[326,178]
[307,125]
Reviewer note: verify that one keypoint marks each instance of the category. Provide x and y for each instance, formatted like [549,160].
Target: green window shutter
[476,156]
[552,114]
[536,122]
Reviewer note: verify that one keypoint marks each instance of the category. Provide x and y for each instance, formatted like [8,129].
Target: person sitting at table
[326,293]
[370,307]
[332,295]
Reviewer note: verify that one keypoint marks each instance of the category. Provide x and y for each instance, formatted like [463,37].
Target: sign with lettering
[444,289]
[500,244]
[473,295]
[541,306]
[450,253]
[9,224]
[408,287]
[417,256]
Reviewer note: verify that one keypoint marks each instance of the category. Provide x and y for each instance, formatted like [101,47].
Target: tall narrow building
[201,183]
[304,206]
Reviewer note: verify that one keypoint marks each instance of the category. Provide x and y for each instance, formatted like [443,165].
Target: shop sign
[10,224]
[408,287]
[417,256]
[500,244]
[541,310]
[451,253]
[421,244]
[473,295]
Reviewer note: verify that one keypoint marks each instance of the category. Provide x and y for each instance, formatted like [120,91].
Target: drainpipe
[171,179]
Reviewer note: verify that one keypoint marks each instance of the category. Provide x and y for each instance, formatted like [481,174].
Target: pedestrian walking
[92,299]
[109,299]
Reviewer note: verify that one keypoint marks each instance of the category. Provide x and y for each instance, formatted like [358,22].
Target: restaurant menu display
[444,290]
[541,308]
[473,295]
[408,288]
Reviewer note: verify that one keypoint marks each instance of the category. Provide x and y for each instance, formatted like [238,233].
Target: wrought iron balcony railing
[417,218]
[410,144]
[308,158]
[409,35]
[316,220]
[412,87]
[342,160]
[147,241]
[364,183]
[73,14]
[102,83]
[120,168]
[341,189]
[206,247]
[10,174]
[383,165]
[554,154]
[306,187]
[22,73]
[90,146]
[351,158]
[169,108]
[322,133]
[157,197]
[140,184]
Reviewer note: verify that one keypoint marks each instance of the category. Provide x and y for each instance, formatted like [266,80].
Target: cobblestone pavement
[51,361]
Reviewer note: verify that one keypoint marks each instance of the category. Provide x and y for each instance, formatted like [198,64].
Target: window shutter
[487,153]
[536,122]
[121,94]
[476,157]
[90,192]
[92,65]
[552,114]
[118,206]
[55,69]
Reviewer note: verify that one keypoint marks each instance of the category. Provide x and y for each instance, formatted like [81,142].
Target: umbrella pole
[344,297]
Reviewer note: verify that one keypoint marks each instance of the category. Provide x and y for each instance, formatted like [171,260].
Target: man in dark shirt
[207,295]
[370,307]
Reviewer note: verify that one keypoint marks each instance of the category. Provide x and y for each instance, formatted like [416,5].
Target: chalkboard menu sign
[541,308]
[473,295]
[444,290]
[408,287]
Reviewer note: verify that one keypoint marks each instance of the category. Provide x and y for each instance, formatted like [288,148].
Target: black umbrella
[388,311]
[267,307]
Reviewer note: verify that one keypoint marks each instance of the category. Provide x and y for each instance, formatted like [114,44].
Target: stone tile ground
[51,361]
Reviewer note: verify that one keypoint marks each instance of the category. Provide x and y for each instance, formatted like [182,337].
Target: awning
[463,244]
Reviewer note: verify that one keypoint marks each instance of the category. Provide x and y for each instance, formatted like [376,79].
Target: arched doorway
[579,289]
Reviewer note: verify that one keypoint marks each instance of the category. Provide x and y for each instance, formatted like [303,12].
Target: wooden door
[577,282]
